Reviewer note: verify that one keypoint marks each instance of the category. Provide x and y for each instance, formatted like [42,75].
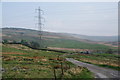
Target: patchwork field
[19,61]
[50,39]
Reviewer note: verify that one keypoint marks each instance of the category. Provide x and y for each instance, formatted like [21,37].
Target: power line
[40,25]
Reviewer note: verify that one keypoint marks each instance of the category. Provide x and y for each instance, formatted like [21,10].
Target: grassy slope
[63,41]
[18,65]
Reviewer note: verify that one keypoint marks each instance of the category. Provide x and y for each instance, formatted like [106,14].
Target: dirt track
[99,72]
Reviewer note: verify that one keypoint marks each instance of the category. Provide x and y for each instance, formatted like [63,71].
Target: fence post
[62,68]
[55,74]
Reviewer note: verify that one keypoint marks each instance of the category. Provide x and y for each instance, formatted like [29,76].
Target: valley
[21,55]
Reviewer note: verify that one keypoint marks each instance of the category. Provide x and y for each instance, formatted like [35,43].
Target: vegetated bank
[103,59]
[20,61]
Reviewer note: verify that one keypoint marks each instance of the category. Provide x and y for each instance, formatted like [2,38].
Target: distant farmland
[50,39]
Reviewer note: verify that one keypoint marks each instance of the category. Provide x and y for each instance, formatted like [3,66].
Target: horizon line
[59,32]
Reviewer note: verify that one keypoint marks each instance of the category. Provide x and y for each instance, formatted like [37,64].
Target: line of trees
[31,44]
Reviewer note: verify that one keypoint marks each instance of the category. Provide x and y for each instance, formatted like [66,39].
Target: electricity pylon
[40,12]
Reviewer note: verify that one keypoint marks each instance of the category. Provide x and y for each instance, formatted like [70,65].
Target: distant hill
[63,40]
[97,38]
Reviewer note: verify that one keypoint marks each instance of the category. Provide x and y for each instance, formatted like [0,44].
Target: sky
[86,18]
[60,0]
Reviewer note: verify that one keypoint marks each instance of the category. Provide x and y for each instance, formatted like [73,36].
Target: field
[103,59]
[59,40]
[67,43]
[19,61]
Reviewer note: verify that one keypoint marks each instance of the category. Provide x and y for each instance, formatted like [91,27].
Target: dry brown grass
[69,49]
[75,70]
[105,62]
[12,53]
[18,46]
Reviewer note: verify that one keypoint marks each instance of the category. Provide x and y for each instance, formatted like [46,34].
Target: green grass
[85,74]
[108,66]
[65,43]
[103,65]
[18,65]
[5,48]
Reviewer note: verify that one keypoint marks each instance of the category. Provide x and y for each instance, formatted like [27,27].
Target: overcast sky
[87,18]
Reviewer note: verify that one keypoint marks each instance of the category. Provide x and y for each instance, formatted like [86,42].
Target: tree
[5,41]
[14,42]
[110,51]
[31,44]
[25,42]
[34,45]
